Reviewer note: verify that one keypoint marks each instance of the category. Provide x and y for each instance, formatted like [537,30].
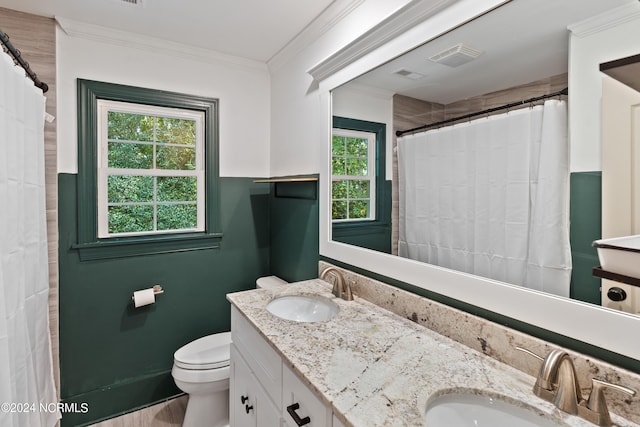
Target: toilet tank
[269,282]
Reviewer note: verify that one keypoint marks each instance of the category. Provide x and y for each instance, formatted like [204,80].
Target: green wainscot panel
[586,220]
[294,233]
[118,358]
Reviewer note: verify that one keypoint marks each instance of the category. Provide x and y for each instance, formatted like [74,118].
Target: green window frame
[354,169]
[90,245]
[382,219]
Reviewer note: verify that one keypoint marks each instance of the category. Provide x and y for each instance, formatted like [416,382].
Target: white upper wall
[296,139]
[271,125]
[297,131]
[367,104]
[242,87]
[600,40]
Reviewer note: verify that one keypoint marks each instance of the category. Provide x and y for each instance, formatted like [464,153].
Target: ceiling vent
[408,74]
[130,2]
[456,55]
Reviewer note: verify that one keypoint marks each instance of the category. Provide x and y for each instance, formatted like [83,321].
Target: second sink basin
[473,410]
[303,308]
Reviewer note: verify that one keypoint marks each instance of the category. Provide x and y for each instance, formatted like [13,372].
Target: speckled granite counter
[375,368]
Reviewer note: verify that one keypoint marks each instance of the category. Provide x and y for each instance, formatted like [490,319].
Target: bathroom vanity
[264,390]
[364,367]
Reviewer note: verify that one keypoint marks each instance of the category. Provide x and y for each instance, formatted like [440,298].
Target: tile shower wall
[35,37]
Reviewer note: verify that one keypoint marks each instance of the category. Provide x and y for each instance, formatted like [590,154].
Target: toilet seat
[209,352]
[202,377]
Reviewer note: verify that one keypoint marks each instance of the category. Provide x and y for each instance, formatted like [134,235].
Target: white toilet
[201,369]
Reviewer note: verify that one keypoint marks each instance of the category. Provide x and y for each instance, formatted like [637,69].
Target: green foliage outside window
[148,203]
[351,195]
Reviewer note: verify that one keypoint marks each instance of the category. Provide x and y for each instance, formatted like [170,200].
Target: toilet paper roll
[144,297]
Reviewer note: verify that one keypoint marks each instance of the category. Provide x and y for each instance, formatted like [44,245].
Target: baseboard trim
[118,399]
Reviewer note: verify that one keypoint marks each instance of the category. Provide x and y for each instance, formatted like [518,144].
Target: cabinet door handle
[291,409]
[248,408]
[243,399]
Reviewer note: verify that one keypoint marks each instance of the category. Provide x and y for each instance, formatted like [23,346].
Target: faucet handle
[348,294]
[541,388]
[596,403]
[530,353]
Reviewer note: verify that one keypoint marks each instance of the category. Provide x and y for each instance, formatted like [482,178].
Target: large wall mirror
[512,52]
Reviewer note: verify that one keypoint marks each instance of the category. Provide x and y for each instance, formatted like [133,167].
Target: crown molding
[407,17]
[112,36]
[329,18]
[604,21]
[372,91]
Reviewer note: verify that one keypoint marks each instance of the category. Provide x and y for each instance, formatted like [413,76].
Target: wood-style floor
[166,414]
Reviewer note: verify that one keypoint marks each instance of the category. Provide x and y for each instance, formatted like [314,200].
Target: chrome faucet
[557,383]
[341,289]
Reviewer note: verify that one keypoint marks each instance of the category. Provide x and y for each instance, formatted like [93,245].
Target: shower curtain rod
[19,60]
[564,91]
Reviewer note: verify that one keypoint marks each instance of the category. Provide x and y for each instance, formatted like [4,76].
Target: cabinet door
[262,359]
[337,422]
[268,415]
[242,399]
[300,407]
[249,403]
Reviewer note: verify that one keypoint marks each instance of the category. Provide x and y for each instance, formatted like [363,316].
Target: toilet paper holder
[157,290]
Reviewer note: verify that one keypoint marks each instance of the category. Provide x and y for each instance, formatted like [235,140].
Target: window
[360,195]
[353,186]
[150,170]
[147,171]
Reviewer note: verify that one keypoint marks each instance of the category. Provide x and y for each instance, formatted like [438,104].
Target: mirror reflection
[457,153]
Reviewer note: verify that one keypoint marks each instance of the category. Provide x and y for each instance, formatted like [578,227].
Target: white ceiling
[522,41]
[253,29]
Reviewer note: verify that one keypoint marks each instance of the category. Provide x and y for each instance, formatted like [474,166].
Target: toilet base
[207,410]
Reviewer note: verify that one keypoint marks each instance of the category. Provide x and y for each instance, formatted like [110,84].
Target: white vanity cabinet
[255,392]
[337,422]
[250,406]
[264,391]
[300,407]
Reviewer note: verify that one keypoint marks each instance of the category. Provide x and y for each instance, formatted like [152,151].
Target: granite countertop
[375,368]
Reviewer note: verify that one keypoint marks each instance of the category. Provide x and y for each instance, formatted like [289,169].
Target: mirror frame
[574,319]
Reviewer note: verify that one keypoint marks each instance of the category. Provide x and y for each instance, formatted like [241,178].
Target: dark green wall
[586,220]
[294,230]
[117,358]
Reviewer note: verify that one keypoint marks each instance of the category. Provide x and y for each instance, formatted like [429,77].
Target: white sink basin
[620,255]
[472,410]
[303,308]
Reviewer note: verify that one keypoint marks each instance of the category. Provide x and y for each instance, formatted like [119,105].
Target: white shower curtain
[490,197]
[27,387]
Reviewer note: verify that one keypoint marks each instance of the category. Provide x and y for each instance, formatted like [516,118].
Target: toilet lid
[208,352]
